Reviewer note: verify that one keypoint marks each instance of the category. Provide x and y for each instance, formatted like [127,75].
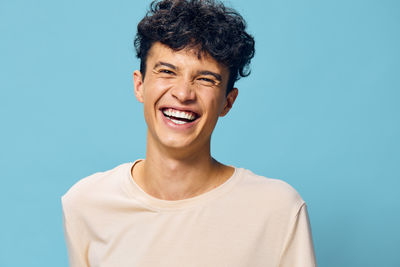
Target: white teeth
[178,121]
[179,114]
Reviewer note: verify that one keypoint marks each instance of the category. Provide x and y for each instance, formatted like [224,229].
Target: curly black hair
[206,25]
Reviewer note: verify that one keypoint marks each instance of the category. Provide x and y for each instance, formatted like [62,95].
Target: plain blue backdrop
[320,111]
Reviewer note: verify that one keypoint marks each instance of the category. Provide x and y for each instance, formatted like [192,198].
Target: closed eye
[167,71]
[207,80]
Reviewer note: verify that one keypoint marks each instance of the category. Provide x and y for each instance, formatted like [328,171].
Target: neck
[173,176]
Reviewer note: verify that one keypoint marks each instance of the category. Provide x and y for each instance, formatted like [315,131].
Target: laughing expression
[183,96]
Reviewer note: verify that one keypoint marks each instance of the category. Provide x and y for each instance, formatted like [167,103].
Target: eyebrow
[160,63]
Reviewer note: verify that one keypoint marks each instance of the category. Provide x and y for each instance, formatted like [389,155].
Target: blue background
[320,111]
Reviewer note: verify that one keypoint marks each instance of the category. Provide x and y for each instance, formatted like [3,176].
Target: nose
[184,91]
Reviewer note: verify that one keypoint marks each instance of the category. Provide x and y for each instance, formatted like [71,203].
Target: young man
[179,206]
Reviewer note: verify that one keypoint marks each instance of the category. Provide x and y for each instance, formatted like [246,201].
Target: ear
[230,99]
[138,84]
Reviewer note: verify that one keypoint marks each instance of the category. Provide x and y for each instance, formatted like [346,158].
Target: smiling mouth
[179,116]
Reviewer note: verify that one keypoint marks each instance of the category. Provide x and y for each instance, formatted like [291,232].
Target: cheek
[153,89]
[149,100]
[147,111]
[153,92]
[216,100]
[156,88]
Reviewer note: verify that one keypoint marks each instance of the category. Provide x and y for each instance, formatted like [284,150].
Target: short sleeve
[77,250]
[298,250]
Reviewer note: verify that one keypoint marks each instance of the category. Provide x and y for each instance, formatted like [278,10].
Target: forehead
[184,58]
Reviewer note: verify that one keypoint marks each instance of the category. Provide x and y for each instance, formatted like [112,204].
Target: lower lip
[177,126]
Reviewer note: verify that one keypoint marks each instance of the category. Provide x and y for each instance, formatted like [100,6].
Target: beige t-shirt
[248,221]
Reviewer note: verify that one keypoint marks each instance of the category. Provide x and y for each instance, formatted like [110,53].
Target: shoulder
[89,189]
[273,192]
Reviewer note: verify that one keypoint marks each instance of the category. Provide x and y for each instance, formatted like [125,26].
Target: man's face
[182,97]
